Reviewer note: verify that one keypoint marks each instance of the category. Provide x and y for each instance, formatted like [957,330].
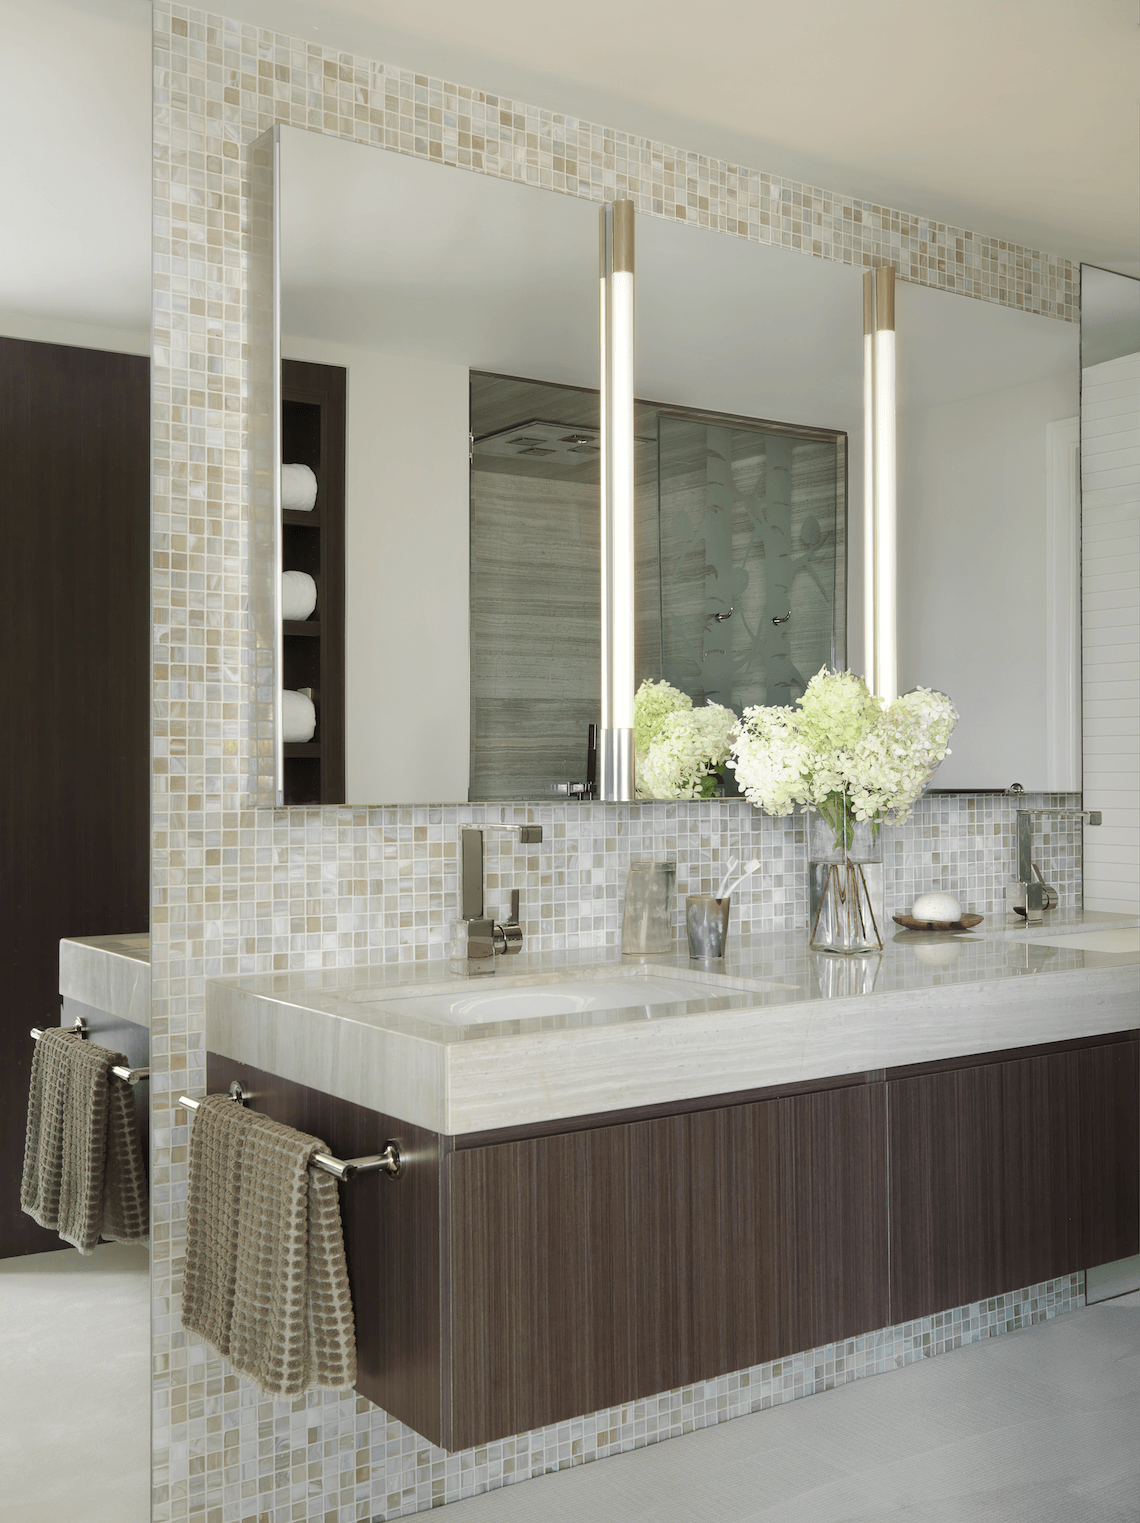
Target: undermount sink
[486,1001]
[1117,941]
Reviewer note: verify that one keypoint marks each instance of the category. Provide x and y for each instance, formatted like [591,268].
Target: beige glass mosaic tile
[238,888]
[334,1456]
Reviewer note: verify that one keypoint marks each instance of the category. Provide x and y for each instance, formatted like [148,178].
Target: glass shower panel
[750,533]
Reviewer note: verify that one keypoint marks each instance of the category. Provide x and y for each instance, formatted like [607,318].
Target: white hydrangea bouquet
[681,751]
[844,752]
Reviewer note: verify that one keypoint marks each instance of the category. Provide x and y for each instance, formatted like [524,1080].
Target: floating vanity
[105,982]
[101,976]
[621,1177]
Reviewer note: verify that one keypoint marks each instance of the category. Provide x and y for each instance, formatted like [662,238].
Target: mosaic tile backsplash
[240,889]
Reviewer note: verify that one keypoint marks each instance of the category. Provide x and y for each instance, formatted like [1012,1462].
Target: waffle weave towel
[265,1280]
[83,1166]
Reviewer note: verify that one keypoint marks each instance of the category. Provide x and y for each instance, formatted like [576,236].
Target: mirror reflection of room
[371,289]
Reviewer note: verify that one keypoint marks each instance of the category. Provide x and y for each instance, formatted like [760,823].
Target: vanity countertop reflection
[776,1013]
[108,973]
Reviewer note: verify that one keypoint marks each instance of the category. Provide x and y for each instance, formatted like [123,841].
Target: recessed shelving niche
[313,434]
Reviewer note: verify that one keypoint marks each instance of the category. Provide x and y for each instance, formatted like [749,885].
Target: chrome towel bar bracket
[131,1075]
[390,1160]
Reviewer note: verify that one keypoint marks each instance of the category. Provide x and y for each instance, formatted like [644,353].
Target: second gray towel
[265,1280]
[83,1168]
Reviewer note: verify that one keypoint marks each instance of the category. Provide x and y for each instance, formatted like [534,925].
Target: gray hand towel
[265,1280]
[83,1169]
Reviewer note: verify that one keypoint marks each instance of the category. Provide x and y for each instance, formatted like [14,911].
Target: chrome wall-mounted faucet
[1037,895]
[486,939]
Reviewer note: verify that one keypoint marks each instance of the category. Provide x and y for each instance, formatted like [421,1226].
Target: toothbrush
[753,866]
[733,864]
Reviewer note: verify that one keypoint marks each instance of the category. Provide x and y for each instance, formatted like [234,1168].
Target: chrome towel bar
[132,1075]
[389,1160]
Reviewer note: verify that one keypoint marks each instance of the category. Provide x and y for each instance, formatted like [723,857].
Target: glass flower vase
[845,884]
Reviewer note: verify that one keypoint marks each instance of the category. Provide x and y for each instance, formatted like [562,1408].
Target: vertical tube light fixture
[880,554]
[615,739]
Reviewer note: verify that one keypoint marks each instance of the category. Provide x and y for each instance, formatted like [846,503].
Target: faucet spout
[486,939]
[1036,893]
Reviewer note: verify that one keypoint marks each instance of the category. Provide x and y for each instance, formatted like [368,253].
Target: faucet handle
[512,933]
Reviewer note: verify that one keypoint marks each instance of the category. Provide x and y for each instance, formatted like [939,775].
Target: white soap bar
[937,907]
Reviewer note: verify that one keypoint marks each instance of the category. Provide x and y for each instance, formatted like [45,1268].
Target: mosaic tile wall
[238,889]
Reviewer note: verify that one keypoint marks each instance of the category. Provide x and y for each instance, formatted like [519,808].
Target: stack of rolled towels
[298,488]
[298,594]
[298,715]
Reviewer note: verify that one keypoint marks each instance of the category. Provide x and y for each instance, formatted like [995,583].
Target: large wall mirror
[1110,581]
[461,312]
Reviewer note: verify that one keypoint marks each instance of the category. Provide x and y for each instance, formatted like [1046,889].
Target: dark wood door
[1109,1079]
[945,1190]
[833,1258]
[1009,1173]
[75,622]
[596,1267]
[1040,1186]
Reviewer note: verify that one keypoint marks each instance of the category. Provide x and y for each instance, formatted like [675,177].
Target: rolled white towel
[298,715]
[298,594]
[298,488]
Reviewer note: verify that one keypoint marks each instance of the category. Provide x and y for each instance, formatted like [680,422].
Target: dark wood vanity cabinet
[516,1279]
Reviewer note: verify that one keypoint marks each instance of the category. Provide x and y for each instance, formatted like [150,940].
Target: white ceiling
[1013,117]
[1016,118]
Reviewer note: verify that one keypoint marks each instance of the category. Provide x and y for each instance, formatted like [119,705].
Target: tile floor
[1038,1426]
[74,1387]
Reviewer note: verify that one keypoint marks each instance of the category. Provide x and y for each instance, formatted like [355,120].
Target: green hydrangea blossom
[843,751]
[685,755]
[652,705]
[836,711]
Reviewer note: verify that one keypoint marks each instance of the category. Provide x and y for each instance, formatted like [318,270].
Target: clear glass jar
[845,884]
[647,917]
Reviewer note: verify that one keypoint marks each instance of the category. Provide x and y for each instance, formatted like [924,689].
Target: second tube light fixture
[616,756]
[615,739]
[880,556]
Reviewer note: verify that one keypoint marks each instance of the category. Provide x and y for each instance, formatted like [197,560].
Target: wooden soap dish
[966,922]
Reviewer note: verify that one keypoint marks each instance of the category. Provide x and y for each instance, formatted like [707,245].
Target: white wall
[972,574]
[40,329]
[1110,592]
[407,657]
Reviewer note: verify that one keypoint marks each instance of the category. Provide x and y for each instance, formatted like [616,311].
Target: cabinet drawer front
[597,1267]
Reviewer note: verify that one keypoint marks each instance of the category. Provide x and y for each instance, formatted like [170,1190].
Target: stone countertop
[109,973]
[779,1014]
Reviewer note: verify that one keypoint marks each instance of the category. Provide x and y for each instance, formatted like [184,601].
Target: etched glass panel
[751,535]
